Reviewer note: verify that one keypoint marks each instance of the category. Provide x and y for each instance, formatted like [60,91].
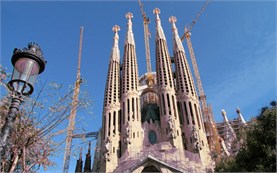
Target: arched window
[152,137]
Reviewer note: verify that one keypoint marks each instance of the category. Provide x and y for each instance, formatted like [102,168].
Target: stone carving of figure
[171,128]
[195,135]
[127,133]
[107,149]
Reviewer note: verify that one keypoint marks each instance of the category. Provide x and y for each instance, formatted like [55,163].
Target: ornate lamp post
[28,63]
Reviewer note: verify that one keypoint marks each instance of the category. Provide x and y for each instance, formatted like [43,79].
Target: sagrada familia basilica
[153,123]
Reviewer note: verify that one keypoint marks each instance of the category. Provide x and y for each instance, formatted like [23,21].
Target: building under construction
[152,123]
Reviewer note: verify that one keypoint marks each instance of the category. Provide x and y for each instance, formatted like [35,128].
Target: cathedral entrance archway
[151,168]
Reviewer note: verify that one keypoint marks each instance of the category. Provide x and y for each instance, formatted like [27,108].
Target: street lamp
[28,63]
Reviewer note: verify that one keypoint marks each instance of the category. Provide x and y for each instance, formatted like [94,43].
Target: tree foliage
[39,120]
[258,149]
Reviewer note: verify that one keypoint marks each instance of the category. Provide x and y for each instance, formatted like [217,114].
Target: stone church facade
[153,123]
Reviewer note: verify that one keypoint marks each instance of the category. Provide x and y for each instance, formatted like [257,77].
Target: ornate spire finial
[240,116]
[116,28]
[160,32]
[156,11]
[223,112]
[130,36]
[224,115]
[129,15]
[238,110]
[177,41]
[172,19]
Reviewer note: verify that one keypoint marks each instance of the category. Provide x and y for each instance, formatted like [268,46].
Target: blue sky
[234,44]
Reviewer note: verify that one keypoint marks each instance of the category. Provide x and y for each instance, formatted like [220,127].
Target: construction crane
[146,21]
[210,126]
[74,104]
[86,135]
[189,27]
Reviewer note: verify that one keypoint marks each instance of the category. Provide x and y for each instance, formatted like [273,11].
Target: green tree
[258,149]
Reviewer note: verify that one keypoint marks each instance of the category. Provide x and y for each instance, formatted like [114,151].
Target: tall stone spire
[131,131]
[229,133]
[129,36]
[240,117]
[193,134]
[159,29]
[177,44]
[166,91]
[87,167]
[111,110]
[79,164]
[115,56]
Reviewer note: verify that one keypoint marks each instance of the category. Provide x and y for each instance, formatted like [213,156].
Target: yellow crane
[146,21]
[210,126]
[74,104]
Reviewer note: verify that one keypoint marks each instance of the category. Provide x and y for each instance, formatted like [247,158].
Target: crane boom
[86,135]
[210,126]
[146,21]
[74,104]
[201,93]
[189,27]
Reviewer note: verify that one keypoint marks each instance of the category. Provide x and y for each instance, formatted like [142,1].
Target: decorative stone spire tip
[172,19]
[129,15]
[116,28]
[238,110]
[156,11]
[223,112]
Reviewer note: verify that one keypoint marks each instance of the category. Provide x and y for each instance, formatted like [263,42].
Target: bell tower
[111,111]
[131,131]
[170,127]
[193,133]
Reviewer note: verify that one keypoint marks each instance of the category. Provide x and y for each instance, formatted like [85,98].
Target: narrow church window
[180,113]
[168,103]
[174,107]
[114,115]
[191,112]
[133,108]
[163,104]
[109,127]
[186,112]
[123,112]
[105,126]
[119,120]
[137,108]
[128,110]
[197,116]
